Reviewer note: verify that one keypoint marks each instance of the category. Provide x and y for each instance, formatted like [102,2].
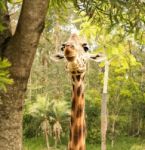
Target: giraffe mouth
[72,58]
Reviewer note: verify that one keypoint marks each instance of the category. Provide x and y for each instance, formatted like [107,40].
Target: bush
[93,123]
[31,126]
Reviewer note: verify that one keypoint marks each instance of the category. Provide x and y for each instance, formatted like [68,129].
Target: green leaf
[2,6]
[14,1]
[4,74]
[10,1]
[2,28]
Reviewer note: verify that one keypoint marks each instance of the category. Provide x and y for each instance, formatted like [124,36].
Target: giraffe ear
[85,47]
[57,57]
[98,57]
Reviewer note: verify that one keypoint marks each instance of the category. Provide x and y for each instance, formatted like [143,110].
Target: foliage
[1,28]
[4,74]
[129,15]
[31,126]
[42,110]
[93,124]
[2,5]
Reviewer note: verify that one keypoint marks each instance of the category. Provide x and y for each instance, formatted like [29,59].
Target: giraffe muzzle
[70,58]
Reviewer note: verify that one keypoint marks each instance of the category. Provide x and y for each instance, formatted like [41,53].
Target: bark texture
[20,51]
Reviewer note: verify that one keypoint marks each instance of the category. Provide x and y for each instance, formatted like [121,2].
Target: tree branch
[5,22]
[22,46]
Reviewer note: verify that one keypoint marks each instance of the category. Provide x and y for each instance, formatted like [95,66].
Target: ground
[124,143]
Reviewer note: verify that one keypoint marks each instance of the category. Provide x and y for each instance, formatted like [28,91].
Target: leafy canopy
[130,15]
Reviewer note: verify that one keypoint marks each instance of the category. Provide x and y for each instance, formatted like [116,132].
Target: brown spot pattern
[73,72]
[77,134]
[81,148]
[79,111]
[79,89]
[73,104]
[79,71]
[73,87]
[78,77]
[82,95]
[73,78]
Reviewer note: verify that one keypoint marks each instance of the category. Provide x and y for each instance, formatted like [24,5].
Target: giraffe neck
[77,127]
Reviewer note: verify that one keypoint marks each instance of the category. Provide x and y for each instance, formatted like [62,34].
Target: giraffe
[75,52]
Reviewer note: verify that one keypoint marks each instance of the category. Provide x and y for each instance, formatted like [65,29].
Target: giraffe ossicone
[75,53]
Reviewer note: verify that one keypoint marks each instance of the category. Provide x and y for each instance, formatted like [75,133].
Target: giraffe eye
[85,47]
[62,47]
[72,46]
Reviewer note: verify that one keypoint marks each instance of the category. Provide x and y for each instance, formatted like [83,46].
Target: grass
[124,143]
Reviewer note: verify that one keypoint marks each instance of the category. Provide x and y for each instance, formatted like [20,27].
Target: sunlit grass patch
[138,147]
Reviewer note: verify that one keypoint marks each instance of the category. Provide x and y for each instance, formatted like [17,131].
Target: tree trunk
[103,121]
[104,108]
[113,133]
[20,51]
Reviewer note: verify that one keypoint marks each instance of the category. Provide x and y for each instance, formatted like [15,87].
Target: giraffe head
[75,52]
